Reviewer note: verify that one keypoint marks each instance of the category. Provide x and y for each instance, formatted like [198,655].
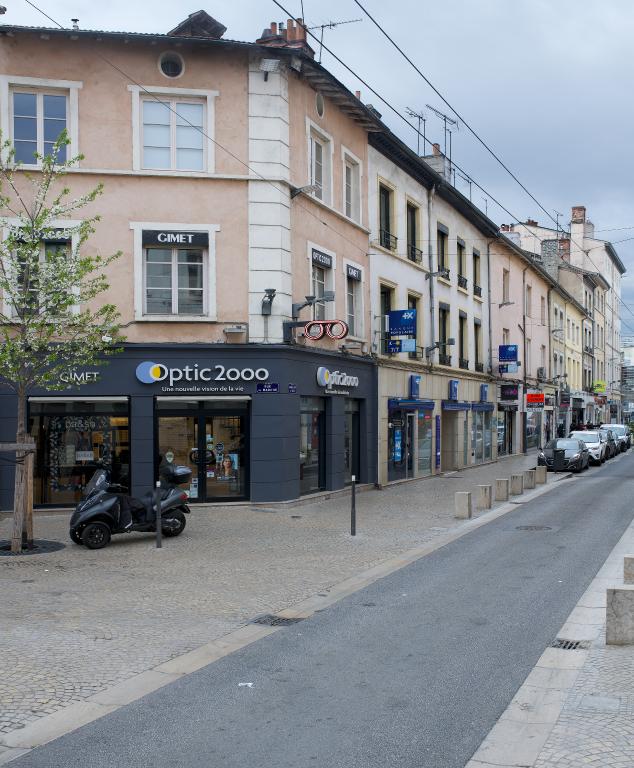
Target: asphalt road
[412,671]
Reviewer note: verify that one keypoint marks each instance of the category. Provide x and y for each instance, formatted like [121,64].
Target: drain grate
[533,528]
[271,620]
[569,645]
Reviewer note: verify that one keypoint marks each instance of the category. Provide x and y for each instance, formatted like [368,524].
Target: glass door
[312,465]
[178,444]
[424,443]
[225,461]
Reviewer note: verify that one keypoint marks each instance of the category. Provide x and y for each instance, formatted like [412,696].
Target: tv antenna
[447,121]
[420,116]
[468,180]
[330,25]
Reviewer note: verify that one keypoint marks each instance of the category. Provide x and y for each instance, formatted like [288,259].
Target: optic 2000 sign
[151,373]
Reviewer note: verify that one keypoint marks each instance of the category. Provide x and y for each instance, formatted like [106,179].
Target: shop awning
[481,406]
[410,404]
[455,405]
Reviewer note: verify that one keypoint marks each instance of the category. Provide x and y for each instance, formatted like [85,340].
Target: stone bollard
[541,475]
[529,478]
[464,509]
[628,569]
[619,616]
[502,489]
[517,485]
[485,494]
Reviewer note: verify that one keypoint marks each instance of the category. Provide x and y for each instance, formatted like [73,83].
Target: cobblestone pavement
[75,622]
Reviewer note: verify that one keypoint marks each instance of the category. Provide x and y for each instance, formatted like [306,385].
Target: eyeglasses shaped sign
[334,329]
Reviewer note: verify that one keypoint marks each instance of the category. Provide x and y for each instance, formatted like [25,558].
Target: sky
[545,83]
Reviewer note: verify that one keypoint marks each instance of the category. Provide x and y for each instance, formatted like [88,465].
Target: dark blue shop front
[259,423]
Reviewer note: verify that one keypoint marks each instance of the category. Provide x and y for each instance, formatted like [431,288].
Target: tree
[49,321]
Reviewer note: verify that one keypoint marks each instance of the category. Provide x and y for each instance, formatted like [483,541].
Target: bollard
[529,478]
[517,485]
[502,489]
[484,496]
[159,529]
[464,509]
[541,475]
[619,616]
[628,569]
[353,507]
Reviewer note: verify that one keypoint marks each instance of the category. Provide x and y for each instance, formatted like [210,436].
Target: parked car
[622,433]
[595,442]
[613,448]
[576,454]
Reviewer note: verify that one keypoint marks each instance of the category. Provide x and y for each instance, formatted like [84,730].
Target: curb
[46,729]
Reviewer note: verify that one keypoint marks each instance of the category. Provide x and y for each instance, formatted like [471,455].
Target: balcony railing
[444,359]
[443,272]
[477,290]
[589,350]
[479,367]
[462,281]
[387,240]
[463,363]
[414,254]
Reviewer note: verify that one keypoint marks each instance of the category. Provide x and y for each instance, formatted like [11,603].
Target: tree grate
[271,620]
[40,547]
[569,645]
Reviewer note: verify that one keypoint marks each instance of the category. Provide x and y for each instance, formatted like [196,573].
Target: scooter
[107,509]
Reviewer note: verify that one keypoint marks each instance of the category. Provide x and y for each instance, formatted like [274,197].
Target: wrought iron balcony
[462,281]
[477,290]
[414,254]
[444,359]
[443,272]
[479,367]
[463,363]
[387,240]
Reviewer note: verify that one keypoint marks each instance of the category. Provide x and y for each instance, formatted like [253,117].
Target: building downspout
[490,367]
[430,253]
[550,363]
[524,414]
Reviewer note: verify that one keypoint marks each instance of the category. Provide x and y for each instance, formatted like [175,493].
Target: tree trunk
[19,501]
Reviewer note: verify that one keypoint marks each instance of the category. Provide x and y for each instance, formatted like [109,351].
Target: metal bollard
[353,507]
[159,529]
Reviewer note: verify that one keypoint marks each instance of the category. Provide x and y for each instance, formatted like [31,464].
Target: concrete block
[502,489]
[517,485]
[541,475]
[619,616]
[464,508]
[529,478]
[485,494]
[628,569]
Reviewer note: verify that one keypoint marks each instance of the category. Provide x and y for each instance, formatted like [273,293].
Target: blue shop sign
[484,393]
[507,353]
[414,386]
[402,322]
[397,452]
[453,389]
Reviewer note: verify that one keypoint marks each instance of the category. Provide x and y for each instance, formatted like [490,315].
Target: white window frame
[330,277]
[140,93]
[313,131]
[348,158]
[209,272]
[359,306]
[174,285]
[8,224]
[68,88]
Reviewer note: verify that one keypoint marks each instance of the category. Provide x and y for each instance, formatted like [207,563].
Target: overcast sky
[546,83]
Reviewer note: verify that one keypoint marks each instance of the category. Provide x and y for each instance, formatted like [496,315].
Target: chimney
[563,247]
[436,150]
[292,36]
[578,214]
[358,95]
[505,227]
[531,222]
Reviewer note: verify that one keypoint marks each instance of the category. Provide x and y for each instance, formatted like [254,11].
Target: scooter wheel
[96,535]
[76,537]
[176,524]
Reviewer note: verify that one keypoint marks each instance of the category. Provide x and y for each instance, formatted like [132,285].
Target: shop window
[312,469]
[174,281]
[173,132]
[39,117]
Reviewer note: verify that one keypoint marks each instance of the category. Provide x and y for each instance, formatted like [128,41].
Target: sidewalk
[576,707]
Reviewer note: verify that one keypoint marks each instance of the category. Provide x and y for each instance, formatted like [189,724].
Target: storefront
[260,423]
[507,411]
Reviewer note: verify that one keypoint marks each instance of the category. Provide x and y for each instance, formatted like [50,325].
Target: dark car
[575,454]
[613,445]
[622,436]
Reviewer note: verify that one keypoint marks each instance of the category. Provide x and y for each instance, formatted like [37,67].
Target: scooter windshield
[99,479]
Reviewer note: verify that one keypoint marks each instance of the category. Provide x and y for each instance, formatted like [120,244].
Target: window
[320,165]
[351,187]
[477,288]
[171,64]
[444,330]
[386,236]
[568,328]
[413,251]
[461,258]
[319,286]
[505,285]
[354,299]
[174,280]
[463,341]
[477,345]
[527,362]
[543,310]
[542,357]
[506,336]
[555,367]
[442,238]
[529,301]
[173,135]
[386,308]
[38,119]
[412,303]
